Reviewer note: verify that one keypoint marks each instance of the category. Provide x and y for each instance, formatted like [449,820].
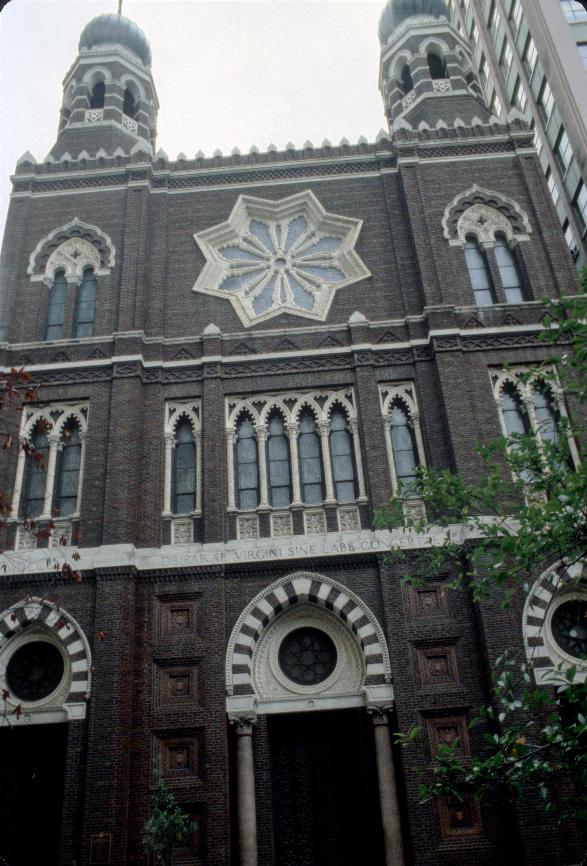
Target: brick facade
[167,612]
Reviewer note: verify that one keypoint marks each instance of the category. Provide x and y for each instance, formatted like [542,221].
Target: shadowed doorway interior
[324,790]
[32,769]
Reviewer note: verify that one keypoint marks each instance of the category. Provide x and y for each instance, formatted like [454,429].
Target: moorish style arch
[554,623]
[484,212]
[71,248]
[315,593]
[38,635]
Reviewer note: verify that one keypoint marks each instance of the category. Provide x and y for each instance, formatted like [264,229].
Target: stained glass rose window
[34,671]
[307,656]
[275,257]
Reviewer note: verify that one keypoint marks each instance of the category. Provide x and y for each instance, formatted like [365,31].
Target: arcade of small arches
[50,488]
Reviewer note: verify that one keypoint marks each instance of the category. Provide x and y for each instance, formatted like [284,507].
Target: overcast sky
[228,74]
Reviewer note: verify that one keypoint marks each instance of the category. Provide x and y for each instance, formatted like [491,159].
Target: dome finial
[120,7]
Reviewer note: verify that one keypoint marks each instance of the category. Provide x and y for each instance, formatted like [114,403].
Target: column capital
[379,713]
[243,724]
[230,433]
[323,427]
[261,431]
[353,425]
[292,428]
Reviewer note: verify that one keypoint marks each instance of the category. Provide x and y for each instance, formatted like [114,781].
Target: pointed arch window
[311,474]
[479,273]
[514,412]
[247,468]
[341,454]
[279,463]
[33,500]
[509,271]
[97,95]
[56,307]
[436,65]
[86,302]
[184,469]
[546,412]
[68,470]
[405,82]
[405,451]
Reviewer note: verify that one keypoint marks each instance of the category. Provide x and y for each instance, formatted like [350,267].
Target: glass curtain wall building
[532,55]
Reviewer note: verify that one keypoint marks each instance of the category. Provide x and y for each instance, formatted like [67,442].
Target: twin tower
[110,102]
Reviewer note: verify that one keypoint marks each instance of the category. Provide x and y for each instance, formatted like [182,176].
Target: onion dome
[396,12]
[118,29]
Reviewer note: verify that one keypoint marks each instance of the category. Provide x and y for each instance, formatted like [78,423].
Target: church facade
[240,358]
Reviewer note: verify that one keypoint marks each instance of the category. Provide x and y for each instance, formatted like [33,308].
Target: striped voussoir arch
[303,586]
[46,614]
[539,652]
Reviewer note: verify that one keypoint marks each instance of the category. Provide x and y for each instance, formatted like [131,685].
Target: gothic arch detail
[559,584]
[37,619]
[71,248]
[483,212]
[316,595]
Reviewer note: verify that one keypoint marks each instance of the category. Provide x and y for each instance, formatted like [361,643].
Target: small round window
[34,671]
[569,627]
[307,656]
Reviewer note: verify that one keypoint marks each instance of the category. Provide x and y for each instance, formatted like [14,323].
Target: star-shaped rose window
[288,256]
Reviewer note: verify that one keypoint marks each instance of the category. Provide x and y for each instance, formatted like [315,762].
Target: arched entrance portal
[310,655]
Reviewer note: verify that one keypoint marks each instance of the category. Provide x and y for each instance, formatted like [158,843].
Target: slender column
[168,469]
[198,440]
[389,449]
[18,483]
[292,432]
[50,477]
[354,428]
[82,462]
[324,427]
[245,781]
[230,434]
[262,446]
[388,799]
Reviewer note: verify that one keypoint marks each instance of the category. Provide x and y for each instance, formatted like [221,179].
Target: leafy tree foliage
[526,511]
[168,826]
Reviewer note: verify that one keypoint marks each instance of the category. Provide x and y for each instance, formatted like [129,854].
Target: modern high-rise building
[239,360]
[531,55]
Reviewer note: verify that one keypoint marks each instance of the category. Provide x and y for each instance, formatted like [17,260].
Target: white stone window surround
[405,394]
[39,619]
[176,411]
[290,405]
[273,257]
[87,246]
[557,585]
[483,213]
[55,415]
[519,379]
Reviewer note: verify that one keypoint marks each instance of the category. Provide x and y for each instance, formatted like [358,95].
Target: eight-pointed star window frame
[273,257]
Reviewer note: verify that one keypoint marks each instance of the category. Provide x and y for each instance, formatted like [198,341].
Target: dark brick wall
[158,689]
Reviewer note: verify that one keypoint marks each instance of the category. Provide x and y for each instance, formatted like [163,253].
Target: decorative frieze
[315,522]
[247,526]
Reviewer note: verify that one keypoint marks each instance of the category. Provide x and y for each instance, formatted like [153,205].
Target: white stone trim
[277,215]
[62,256]
[281,524]
[290,404]
[247,526]
[175,411]
[55,416]
[44,620]
[523,380]
[247,680]
[182,530]
[488,199]
[404,393]
[556,586]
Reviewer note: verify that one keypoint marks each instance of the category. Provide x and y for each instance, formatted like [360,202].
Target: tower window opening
[130,104]
[405,81]
[436,65]
[97,95]
[479,273]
